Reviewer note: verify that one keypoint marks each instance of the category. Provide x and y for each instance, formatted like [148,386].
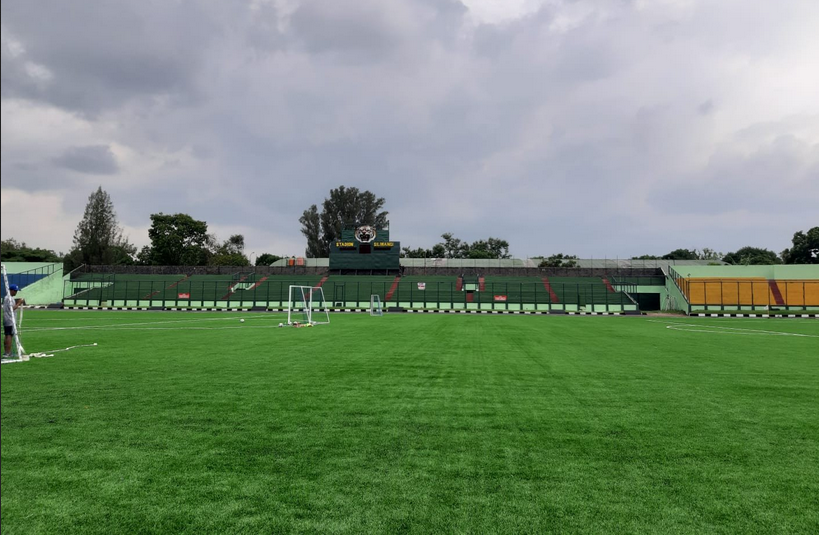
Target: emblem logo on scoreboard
[365,234]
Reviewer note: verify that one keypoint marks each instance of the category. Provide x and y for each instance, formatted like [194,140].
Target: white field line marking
[176,329]
[143,324]
[201,316]
[718,329]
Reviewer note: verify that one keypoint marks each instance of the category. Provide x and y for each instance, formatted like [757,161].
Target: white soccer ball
[242,320]
[281,324]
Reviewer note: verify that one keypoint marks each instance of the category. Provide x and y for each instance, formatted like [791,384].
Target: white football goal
[307,305]
[15,319]
[375,305]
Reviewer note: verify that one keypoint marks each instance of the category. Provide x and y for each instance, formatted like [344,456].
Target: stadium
[434,395]
[409,267]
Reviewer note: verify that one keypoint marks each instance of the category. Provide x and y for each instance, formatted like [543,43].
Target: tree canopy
[681,254]
[752,256]
[685,254]
[344,207]
[805,249]
[453,247]
[13,251]
[267,259]
[229,253]
[559,260]
[98,239]
[177,240]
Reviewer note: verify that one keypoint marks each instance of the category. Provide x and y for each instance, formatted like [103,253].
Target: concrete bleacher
[750,291]
[750,287]
[349,291]
[181,290]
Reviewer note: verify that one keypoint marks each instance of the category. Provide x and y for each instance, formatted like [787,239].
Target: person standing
[10,306]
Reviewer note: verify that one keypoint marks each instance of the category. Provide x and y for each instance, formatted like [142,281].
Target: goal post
[19,354]
[306,304]
[375,305]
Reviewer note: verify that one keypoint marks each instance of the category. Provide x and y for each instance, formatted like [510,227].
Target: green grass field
[195,423]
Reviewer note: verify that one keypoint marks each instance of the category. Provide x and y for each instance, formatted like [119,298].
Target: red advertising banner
[500,298]
[184,296]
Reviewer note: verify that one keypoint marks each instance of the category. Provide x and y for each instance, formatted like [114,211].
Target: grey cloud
[369,30]
[251,114]
[104,54]
[777,178]
[92,160]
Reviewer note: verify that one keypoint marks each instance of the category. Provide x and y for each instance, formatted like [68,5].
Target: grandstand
[603,286]
[748,288]
[347,291]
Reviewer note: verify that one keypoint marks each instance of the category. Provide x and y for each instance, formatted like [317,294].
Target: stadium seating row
[342,290]
[750,291]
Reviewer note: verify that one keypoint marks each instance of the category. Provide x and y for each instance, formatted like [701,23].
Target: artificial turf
[196,423]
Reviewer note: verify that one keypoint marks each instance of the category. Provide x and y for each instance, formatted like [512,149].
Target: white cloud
[39,219]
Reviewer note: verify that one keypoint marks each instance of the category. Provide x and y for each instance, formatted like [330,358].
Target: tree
[453,247]
[559,260]
[177,240]
[709,254]
[681,254]
[267,259]
[98,239]
[13,251]
[646,257]
[805,249]
[230,253]
[752,256]
[344,207]
[420,252]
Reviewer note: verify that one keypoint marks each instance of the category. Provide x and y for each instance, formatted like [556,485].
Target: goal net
[307,305]
[13,318]
[375,306]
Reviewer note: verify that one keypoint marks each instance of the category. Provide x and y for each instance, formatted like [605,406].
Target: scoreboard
[366,248]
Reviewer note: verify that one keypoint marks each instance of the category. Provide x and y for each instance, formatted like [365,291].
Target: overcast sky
[599,128]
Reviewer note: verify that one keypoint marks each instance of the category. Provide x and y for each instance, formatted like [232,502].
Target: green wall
[44,291]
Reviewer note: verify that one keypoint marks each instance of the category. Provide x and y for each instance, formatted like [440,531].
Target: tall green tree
[805,249]
[752,256]
[177,240]
[344,207]
[98,239]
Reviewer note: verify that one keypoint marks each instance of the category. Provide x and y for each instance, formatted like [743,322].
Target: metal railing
[747,293]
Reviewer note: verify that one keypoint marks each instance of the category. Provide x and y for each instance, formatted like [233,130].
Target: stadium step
[459,284]
[608,284]
[392,288]
[552,294]
[230,288]
[482,284]
[260,281]
[470,297]
[777,295]
[183,279]
[150,295]
[322,281]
